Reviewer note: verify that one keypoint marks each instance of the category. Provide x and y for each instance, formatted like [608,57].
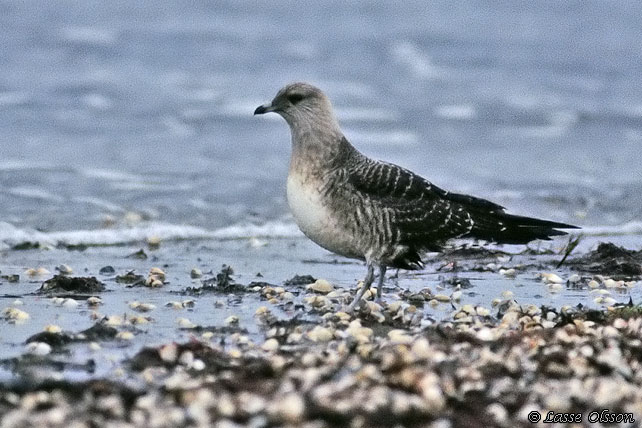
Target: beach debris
[64,269]
[55,337]
[256,242]
[508,273]
[52,328]
[270,345]
[300,280]
[139,255]
[320,286]
[35,272]
[156,278]
[573,242]
[66,284]
[188,303]
[14,315]
[107,270]
[221,283]
[141,307]
[551,278]
[11,278]
[609,259]
[38,348]
[185,323]
[125,335]
[27,245]
[195,273]
[131,279]
[65,302]
[320,334]
[94,301]
[454,282]
[232,320]
[153,242]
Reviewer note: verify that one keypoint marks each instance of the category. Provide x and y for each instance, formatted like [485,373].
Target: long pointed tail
[513,229]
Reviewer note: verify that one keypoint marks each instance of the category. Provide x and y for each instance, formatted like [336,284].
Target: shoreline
[483,335]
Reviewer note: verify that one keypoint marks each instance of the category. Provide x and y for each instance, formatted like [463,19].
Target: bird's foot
[352,306]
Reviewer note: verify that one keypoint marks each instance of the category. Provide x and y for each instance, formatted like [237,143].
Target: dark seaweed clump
[66,284]
[609,259]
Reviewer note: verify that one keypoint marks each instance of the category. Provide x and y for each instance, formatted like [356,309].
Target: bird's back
[363,208]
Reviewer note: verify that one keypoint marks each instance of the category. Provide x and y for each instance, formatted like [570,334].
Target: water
[123,120]
[108,108]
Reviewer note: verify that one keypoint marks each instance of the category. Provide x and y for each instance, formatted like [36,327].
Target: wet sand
[253,333]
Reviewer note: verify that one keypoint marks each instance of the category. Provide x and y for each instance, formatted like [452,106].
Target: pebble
[196,273]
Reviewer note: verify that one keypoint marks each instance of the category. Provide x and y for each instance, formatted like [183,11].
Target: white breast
[315,219]
[306,205]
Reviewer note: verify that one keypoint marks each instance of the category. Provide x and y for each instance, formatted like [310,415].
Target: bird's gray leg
[366,285]
[382,278]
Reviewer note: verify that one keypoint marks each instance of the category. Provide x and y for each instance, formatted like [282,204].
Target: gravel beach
[180,345]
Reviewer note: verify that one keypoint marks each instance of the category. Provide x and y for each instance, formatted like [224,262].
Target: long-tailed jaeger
[376,211]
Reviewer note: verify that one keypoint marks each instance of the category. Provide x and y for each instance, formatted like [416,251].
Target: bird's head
[303,106]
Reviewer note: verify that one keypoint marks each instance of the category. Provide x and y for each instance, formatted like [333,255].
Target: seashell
[270,345]
[38,348]
[64,269]
[551,278]
[320,286]
[320,334]
[125,335]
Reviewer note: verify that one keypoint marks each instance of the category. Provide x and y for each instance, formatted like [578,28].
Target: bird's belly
[317,220]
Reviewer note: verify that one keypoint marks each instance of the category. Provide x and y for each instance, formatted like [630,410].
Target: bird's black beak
[265,108]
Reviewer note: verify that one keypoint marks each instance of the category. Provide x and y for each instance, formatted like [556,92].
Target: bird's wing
[422,213]
[425,215]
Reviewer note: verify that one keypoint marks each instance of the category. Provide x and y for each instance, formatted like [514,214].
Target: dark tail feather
[513,229]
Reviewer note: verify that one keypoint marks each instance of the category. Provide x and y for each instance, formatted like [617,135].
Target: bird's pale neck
[316,143]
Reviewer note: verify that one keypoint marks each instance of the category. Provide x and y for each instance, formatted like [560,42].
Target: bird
[376,211]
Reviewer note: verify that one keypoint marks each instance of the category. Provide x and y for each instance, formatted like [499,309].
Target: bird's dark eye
[295,98]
